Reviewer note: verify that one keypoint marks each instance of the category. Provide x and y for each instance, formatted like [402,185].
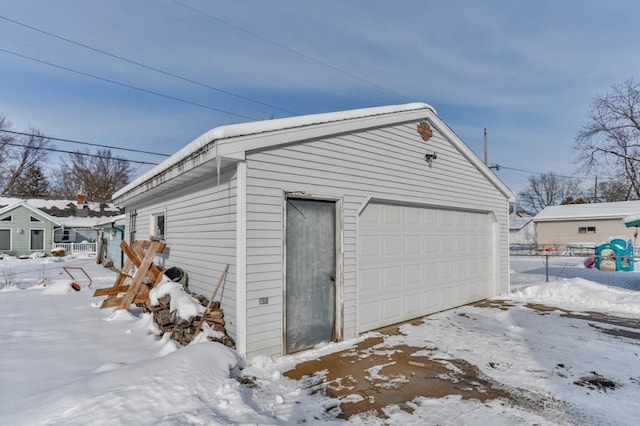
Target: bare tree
[32,183]
[548,189]
[18,155]
[97,175]
[615,189]
[5,140]
[609,143]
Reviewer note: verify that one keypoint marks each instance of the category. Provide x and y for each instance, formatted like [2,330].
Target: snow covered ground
[64,361]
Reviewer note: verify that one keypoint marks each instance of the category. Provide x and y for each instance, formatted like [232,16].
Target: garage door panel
[392,245]
[414,261]
[412,304]
[369,246]
[392,278]
[369,279]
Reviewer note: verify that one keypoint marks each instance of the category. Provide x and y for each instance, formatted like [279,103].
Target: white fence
[76,247]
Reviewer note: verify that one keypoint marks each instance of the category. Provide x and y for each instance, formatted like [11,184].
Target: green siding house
[25,230]
[29,226]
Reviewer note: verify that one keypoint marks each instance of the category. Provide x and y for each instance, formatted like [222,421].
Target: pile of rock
[184,330]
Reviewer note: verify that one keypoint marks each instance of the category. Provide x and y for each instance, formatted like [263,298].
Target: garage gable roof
[229,144]
[613,210]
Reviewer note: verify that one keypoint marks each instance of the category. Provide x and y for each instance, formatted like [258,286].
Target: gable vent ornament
[426,133]
[425,130]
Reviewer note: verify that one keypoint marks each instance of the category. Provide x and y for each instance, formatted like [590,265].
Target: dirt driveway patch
[374,374]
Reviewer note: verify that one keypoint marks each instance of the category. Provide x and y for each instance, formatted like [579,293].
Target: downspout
[241,257]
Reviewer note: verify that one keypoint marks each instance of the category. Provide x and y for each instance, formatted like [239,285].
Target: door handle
[333,277]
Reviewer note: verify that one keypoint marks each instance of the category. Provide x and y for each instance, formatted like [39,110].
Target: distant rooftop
[615,210]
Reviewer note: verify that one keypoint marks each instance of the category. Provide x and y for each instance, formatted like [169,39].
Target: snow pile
[183,304]
[195,382]
[579,294]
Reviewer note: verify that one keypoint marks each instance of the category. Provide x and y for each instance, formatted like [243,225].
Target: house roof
[632,220]
[225,145]
[614,210]
[34,210]
[517,223]
[63,212]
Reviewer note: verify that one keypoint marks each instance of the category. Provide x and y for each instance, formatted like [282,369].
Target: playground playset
[616,255]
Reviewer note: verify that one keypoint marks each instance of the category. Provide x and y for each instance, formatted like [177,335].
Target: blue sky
[527,71]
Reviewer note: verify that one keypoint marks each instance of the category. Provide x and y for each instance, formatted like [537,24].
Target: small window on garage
[158,226]
[5,240]
[7,218]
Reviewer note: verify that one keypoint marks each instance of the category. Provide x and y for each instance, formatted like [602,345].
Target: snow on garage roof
[614,210]
[257,127]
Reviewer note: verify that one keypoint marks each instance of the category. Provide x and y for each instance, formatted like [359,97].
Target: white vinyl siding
[385,164]
[200,221]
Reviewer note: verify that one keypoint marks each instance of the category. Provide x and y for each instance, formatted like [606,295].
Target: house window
[5,239]
[34,219]
[64,235]
[586,230]
[7,218]
[133,215]
[158,229]
[36,239]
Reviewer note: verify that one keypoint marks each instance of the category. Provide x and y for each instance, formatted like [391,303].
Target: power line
[162,95]
[296,52]
[149,67]
[42,148]
[542,173]
[84,143]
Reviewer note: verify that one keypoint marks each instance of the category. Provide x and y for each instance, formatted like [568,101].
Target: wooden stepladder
[147,275]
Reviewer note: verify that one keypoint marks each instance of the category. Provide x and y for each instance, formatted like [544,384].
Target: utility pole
[486,148]
[595,191]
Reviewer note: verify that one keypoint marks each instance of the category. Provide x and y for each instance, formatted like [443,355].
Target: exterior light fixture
[430,157]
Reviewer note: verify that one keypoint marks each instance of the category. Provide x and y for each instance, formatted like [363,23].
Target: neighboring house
[332,224]
[36,225]
[110,234]
[573,226]
[522,230]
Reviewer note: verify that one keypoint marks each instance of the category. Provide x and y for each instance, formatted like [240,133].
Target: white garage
[331,224]
[414,261]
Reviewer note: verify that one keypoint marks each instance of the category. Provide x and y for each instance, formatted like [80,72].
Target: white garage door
[413,261]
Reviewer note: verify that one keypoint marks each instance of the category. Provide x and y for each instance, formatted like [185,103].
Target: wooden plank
[142,271]
[138,252]
[141,298]
[110,290]
[111,302]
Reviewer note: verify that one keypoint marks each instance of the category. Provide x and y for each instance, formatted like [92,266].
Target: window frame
[10,240]
[59,235]
[587,230]
[44,238]
[154,232]
[8,218]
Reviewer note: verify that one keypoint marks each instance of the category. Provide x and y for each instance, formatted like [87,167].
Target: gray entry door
[311,269]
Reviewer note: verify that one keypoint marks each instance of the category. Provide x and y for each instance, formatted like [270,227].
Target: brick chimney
[80,199]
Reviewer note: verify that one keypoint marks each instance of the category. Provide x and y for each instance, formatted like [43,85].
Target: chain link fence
[531,264]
